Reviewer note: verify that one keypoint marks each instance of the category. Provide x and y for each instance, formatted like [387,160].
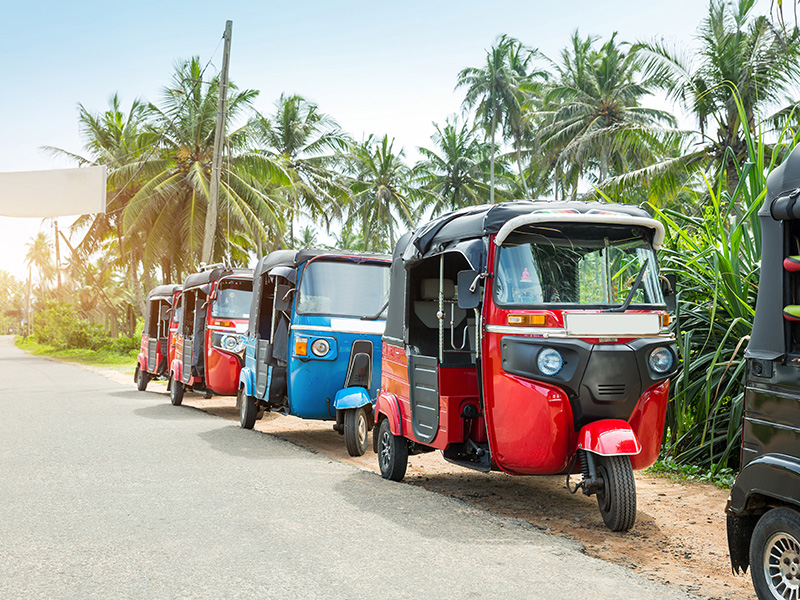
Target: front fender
[609,437]
[388,405]
[247,380]
[351,397]
[773,476]
[176,370]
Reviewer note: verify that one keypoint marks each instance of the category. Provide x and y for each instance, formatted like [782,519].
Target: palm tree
[593,116]
[307,239]
[452,175]
[382,191]
[169,208]
[739,56]
[308,142]
[39,257]
[492,90]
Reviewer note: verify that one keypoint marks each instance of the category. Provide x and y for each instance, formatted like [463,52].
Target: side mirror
[283,297]
[468,290]
[669,289]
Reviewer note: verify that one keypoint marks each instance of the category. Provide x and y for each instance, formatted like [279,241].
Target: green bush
[58,325]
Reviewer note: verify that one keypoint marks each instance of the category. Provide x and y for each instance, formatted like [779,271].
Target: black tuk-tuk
[764,506]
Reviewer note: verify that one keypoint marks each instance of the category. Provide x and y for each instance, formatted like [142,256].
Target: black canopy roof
[163,292]
[294,258]
[477,221]
[768,320]
[204,277]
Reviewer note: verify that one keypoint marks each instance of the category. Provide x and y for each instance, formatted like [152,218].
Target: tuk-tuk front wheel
[355,431]
[175,392]
[141,379]
[775,555]
[248,409]
[392,453]
[617,498]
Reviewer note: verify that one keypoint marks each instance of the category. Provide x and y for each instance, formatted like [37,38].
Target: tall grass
[716,259]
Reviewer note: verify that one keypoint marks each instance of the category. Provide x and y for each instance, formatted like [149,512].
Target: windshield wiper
[624,306]
[377,314]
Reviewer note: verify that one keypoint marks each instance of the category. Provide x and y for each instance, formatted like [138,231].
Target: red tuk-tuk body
[174,319]
[531,338]
[212,317]
[153,359]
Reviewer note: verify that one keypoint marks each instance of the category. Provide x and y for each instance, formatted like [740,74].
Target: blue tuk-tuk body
[314,341]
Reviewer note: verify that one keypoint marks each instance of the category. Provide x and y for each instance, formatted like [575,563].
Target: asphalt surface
[107,492]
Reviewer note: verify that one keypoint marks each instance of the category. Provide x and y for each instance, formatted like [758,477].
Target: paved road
[106,492]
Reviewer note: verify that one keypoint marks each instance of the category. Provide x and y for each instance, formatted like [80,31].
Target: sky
[376,67]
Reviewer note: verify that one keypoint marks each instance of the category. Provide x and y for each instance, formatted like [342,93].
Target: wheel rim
[603,496]
[782,566]
[361,430]
[385,450]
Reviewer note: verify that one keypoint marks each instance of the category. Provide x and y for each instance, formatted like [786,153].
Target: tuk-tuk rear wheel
[355,431]
[775,554]
[141,379]
[248,409]
[175,392]
[392,453]
[617,499]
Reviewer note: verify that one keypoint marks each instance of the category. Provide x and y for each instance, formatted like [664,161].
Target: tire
[175,392]
[392,453]
[775,555]
[248,409]
[356,431]
[141,379]
[617,499]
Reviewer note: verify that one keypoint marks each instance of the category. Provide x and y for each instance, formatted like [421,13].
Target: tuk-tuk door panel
[424,390]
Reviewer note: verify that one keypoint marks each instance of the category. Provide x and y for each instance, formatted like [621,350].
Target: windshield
[344,289]
[576,264]
[233,299]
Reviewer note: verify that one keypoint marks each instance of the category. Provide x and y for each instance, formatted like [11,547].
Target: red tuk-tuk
[213,313]
[153,359]
[532,338]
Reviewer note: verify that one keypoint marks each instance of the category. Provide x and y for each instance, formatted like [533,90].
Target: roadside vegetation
[581,125]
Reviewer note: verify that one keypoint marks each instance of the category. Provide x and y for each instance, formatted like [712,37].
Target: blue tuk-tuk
[313,346]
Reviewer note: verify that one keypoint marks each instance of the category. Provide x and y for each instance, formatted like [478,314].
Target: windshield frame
[385,264]
[219,289]
[550,306]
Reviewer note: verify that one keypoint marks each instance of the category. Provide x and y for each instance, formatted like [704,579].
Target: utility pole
[58,259]
[207,253]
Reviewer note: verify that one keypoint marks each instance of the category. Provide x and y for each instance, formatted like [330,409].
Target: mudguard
[176,370]
[247,380]
[387,405]
[351,397]
[141,361]
[772,476]
[609,437]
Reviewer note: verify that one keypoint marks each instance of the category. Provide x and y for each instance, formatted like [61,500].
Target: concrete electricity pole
[207,253]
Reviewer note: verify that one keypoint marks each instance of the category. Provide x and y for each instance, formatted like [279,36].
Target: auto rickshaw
[530,337]
[763,511]
[153,359]
[314,344]
[209,344]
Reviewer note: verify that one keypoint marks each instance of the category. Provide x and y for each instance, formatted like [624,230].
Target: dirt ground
[679,537]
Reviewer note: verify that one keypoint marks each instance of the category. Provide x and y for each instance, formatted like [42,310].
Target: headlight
[661,360]
[232,343]
[320,347]
[549,361]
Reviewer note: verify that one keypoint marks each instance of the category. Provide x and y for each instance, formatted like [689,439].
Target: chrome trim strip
[301,328]
[553,332]
[611,219]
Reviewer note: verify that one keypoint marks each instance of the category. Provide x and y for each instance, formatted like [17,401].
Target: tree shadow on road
[235,441]
[167,412]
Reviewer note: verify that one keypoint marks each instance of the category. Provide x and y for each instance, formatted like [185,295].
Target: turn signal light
[666,319]
[528,320]
[219,323]
[301,346]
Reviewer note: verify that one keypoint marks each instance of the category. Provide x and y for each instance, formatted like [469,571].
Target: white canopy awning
[54,193]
